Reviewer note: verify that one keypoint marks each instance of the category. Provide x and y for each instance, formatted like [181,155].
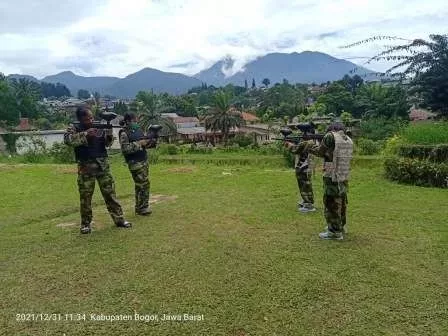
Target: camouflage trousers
[306,188]
[335,203]
[140,175]
[87,174]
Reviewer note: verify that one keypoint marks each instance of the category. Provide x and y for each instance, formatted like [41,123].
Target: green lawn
[229,245]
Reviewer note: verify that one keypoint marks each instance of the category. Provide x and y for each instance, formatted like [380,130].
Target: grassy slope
[231,247]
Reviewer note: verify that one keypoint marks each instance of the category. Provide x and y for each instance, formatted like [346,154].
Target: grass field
[226,243]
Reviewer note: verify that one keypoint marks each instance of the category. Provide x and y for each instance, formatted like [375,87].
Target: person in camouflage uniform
[90,151]
[303,176]
[337,149]
[133,146]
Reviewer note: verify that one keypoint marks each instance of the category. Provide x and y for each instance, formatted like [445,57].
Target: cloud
[115,37]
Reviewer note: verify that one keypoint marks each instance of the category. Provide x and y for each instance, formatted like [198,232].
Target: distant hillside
[305,67]
[16,76]
[151,79]
[75,82]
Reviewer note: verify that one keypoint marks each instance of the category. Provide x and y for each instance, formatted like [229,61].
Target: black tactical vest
[96,148]
[135,135]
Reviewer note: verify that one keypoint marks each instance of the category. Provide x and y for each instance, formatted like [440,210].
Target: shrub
[169,149]
[368,146]
[62,153]
[417,172]
[437,153]
[242,140]
[380,128]
[392,145]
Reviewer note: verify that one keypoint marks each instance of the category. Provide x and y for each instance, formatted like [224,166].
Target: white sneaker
[305,210]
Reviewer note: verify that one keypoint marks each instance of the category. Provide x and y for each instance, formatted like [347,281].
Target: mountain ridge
[305,67]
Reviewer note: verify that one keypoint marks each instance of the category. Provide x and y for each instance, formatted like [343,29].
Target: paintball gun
[107,116]
[308,132]
[153,135]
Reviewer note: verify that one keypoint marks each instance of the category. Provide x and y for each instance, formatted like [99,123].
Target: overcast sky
[119,37]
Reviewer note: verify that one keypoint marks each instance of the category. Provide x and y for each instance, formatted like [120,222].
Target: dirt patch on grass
[161,198]
[64,225]
[181,170]
[68,170]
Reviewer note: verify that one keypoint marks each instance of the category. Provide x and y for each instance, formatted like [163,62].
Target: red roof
[420,114]
[249,117]
[24,125]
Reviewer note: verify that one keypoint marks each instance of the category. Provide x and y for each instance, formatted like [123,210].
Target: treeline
[21,98]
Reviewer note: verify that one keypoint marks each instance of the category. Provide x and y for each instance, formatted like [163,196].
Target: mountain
[75,82]
[17,76]
[215,75]
[149,79]
[304,67]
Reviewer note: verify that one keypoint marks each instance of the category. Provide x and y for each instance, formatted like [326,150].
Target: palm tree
[150,110]
[222,116]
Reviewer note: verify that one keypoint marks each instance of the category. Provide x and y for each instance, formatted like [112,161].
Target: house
[24,125]
[188,128]
[418,114]
[261,132]
[249,118]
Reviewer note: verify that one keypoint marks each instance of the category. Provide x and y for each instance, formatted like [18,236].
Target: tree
[376,100]
[27,94]
[266,82]
[245,84]
[149,107]
[83,94]
[253,83]
[120,108]
[8,106]
[54,90]
[222,117]
[337,98]
[423,62]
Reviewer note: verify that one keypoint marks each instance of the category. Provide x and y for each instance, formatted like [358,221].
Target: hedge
[417,172]
[438,153]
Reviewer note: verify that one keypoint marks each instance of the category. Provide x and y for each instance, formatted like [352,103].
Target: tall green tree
[337,98]
[222,117]
[150,108]
[376,100]
[27,94]
[422,62]
[266,82]
[83,94]
[9,112]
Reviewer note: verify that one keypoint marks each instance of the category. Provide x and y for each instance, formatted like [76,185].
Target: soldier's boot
[307,207]
[124,224]
[85,229]
[328,235]
[144,212]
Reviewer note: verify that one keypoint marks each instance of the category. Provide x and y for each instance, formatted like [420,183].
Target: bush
[437,154]
[426,133]
[62,153]
[380,128]
[242,140]
[393,145]
[368,147]
[417,172]
[169,149]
